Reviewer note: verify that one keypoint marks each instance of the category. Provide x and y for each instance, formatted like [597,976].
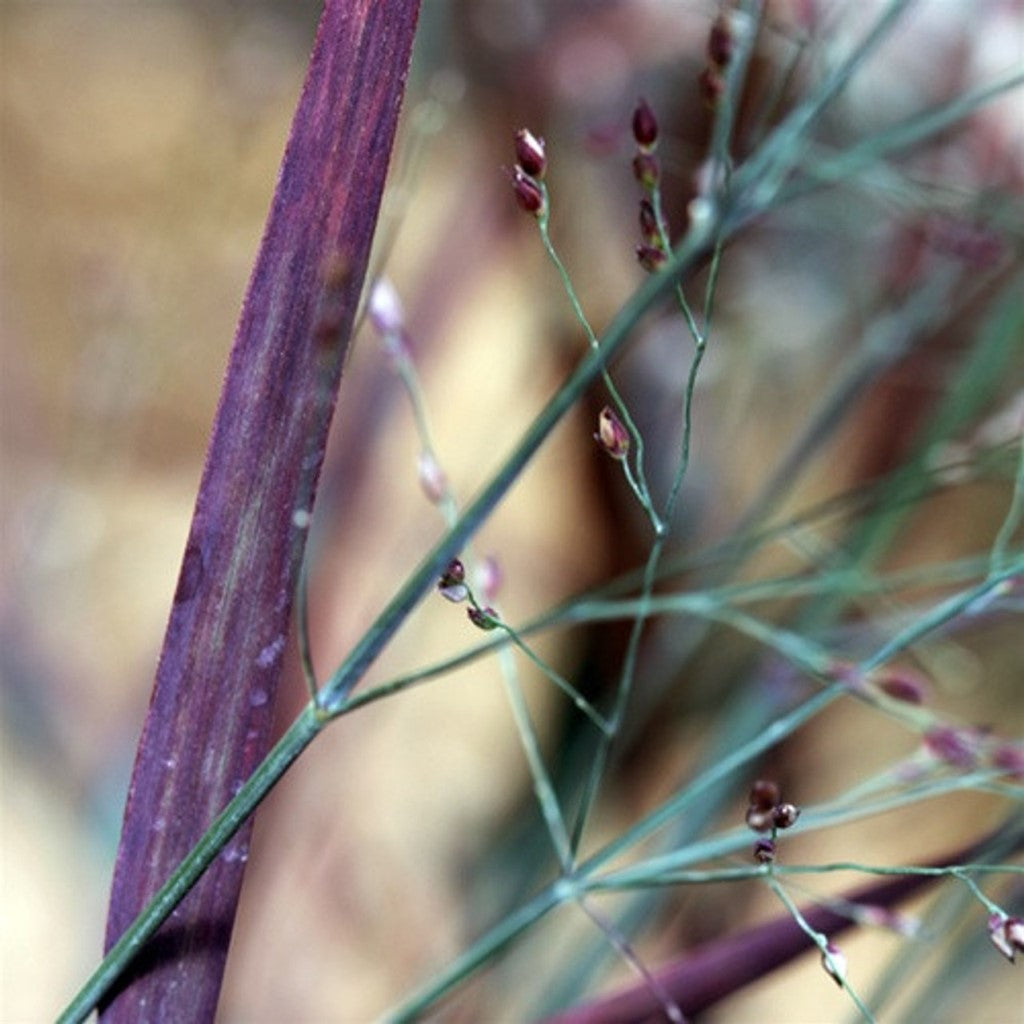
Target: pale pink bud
[1007,935]
[489,577]
[432,478]
[385,308]
[611,435]
[835,963]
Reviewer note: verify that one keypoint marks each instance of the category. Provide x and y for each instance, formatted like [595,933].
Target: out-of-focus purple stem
[704,976]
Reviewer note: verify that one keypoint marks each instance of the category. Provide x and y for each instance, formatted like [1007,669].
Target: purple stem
[211,713]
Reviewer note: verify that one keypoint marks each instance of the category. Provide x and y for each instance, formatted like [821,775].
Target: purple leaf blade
[211,711]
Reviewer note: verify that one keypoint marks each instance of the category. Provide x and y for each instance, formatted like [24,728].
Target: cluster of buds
[721,44]
[767,813]
[1007,935]
[647,171]
[528,173]
[453,586]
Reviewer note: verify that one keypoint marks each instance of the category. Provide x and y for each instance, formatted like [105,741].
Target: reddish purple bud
[764,851]
[452,584]
[647,170]
[903,684]
[645,125]
[764,795]
[530,153]
[611,435]
[1009,757]
[785,815]
[651,258]
[721,42]
[529,193]
[483,618]
[957,747]
[649,224]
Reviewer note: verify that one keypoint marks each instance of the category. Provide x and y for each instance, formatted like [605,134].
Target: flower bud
[904,685]
[611,435]
[452,584]
[529,194]
[646,170]
[432,478]
[957,747]
[760,820]
[721,42]
[483,618]
[764,851]
[385,308]
[649,224]
[530,153]
[489,577]
[764,795]
[785,815]
[1007,935]
[1008,757]
[645,126]
[835,964]
[651,258]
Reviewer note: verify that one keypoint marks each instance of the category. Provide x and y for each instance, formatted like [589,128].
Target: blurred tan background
[139,146]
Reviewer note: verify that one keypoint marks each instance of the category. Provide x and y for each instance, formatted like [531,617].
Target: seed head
[721,42]
[452,584]
[834,962]
[483,618]
[529,193]
[530,153]
[645,126]
[785,815]
[651,258]
[611,435]
[764,795]
[646,170]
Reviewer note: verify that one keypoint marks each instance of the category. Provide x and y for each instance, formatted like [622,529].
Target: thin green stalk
[638,482]
[1001,545]
[542,785]
[836,970]
[479,953]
